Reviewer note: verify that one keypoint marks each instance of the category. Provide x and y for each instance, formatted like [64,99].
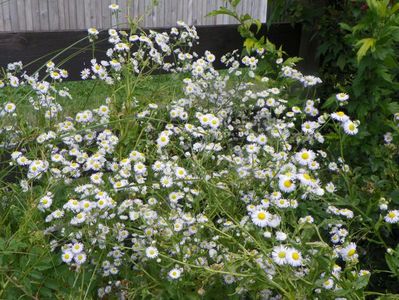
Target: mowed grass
[90,94]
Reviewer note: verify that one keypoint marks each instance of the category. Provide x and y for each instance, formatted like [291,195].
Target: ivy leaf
[366,44]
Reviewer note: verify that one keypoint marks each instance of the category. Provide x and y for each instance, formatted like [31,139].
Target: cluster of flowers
[143,52]
[224,182]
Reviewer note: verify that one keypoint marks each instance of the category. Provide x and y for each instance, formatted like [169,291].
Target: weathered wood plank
[7,16]
[36,15]
[28,15]
[106,15]
[54,15]
[44,16]
[19,6]
[80,14]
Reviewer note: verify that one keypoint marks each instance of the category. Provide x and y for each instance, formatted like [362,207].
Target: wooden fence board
[52,15]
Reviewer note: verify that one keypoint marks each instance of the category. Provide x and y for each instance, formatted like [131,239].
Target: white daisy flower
[348,253]
[151,252]
[286,184]
[294,257]
[328,284]
[350,127]
[80,258]
[392,216]
[261,217]
[279,254]
[304,157]
[175,273]
[77,248]
[163,140]
[342,97]
[9,107]
[340,116]
[113,7]
[67,256]
[180,173]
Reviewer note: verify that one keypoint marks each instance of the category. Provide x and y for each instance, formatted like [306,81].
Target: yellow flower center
[295,256]
[281,254]
[351,127]
[287,183]
[391,215]
[261,216]
[351,252]
[327,283]
[305,155]
[341,113]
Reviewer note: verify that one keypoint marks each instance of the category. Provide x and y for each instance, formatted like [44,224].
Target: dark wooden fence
[36,48]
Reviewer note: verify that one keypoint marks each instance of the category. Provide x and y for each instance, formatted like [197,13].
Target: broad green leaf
[222,11]
[361,282]
[393,107]
[249,44]
[234,3]
[366,44]
[394,8]
[258,24]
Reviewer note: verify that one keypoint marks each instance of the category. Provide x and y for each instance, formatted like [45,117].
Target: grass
[91,94]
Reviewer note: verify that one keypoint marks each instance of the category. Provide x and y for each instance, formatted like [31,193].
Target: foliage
[249,28]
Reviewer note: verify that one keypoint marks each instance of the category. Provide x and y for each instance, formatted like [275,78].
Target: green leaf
[330,101]
[395,196]
[222,11]
[361,282]
[249,44]
[258,24]
[341,61]
[366,44]
[392,263]
[234,3]
[393,107]
[394,8]
[292,61]
[345,26]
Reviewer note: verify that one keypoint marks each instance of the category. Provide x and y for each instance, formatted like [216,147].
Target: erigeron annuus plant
[226,186]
